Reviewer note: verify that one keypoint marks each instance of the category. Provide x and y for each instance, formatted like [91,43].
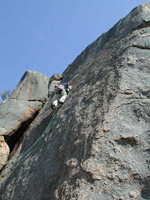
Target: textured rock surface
[4,151]
[24,103]
[97,147]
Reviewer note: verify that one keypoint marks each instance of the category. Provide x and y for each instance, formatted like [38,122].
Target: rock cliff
[17,112]
[96,146]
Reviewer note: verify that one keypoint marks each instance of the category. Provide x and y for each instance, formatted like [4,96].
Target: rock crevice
[20,109]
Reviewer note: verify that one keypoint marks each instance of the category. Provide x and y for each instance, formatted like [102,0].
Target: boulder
[24,103]
[96,145]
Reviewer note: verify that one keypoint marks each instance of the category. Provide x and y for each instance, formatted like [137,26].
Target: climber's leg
[63,96]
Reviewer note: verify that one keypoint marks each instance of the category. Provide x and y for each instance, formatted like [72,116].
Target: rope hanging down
[3,173]
[7,169]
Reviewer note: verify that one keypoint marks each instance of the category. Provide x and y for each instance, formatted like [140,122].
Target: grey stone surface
[26,100]
[98,145]
[53,81]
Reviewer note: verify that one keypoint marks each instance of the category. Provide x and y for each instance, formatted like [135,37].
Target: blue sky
[47,35]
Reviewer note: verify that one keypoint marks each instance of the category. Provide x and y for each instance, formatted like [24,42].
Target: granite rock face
[24,103]
[97,145]
[4,152]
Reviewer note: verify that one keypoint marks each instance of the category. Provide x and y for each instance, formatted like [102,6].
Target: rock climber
[61,92]
[53,81]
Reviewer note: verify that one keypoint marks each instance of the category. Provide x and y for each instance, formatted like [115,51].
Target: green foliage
[6,94]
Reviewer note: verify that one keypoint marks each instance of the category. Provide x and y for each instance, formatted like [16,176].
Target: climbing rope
[7,169]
